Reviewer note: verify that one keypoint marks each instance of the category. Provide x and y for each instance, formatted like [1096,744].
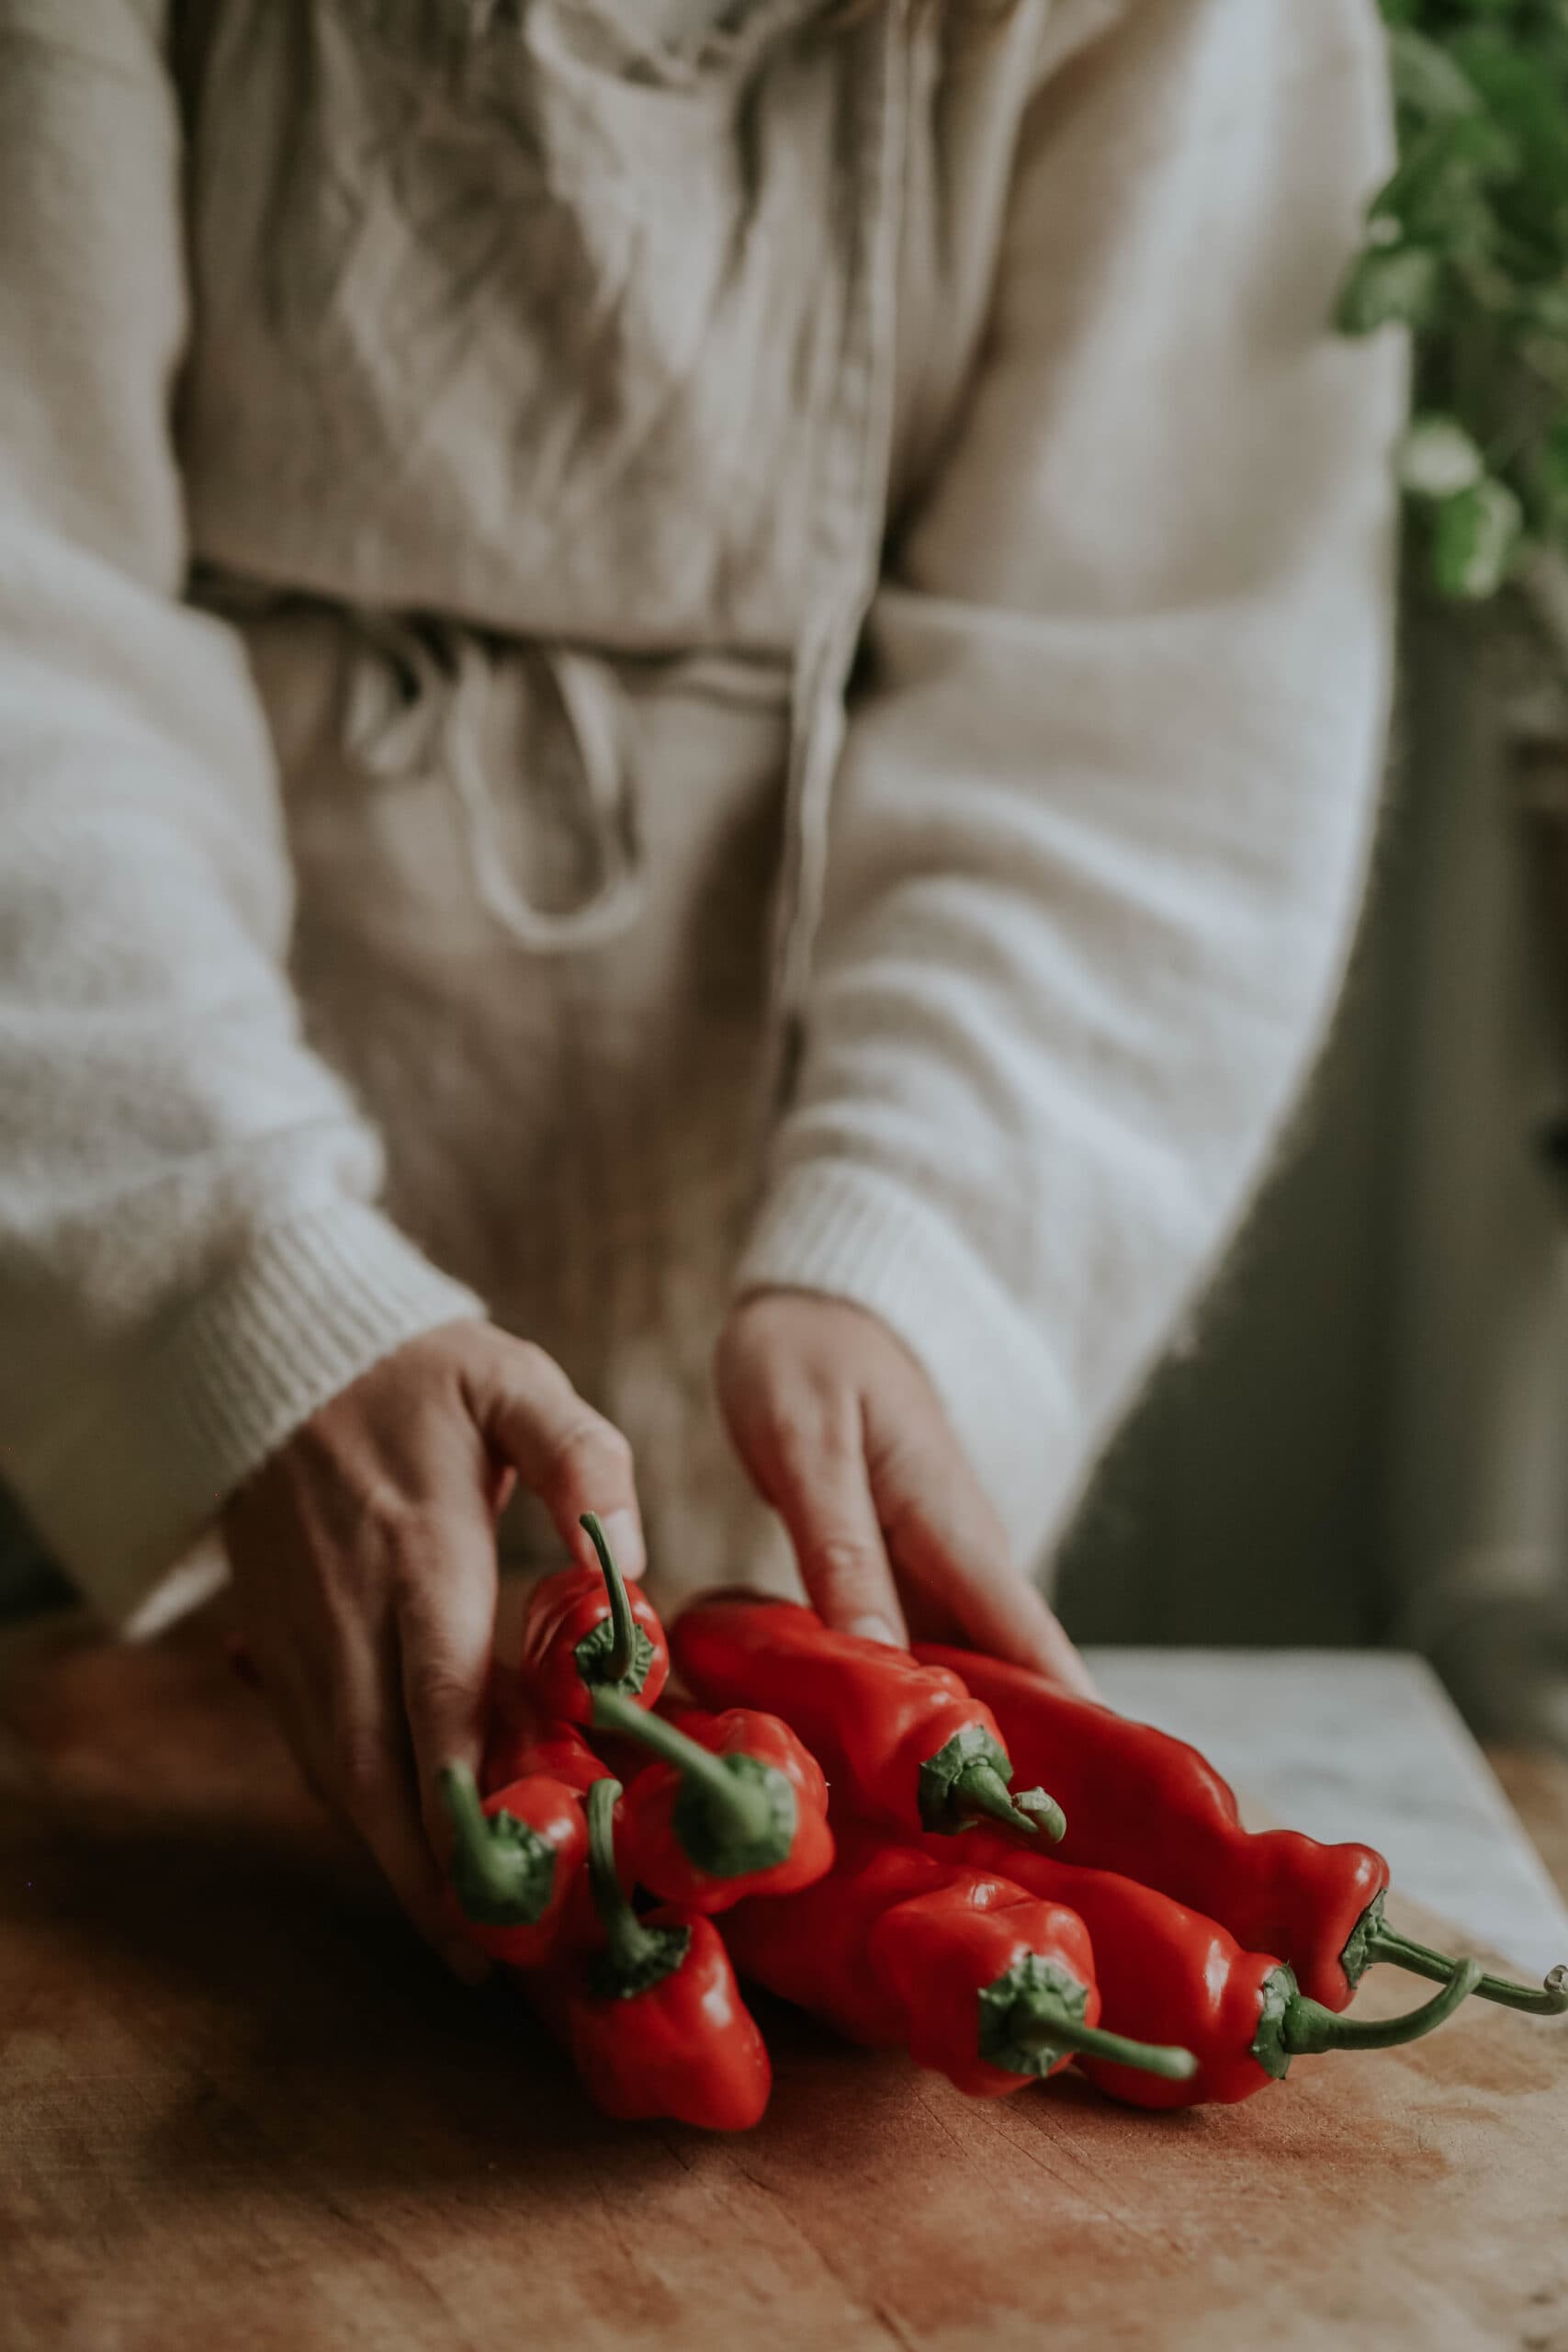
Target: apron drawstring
[448,678]
[585,696]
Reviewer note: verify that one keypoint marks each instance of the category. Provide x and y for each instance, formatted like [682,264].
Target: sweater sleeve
[1103,813]
[190,1256]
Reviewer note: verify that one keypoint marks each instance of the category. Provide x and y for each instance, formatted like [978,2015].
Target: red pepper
[521,1742]
[1148,1806]
[997,1987]
[736,1806]
[1166,1975]
[583,1632]
[660,2029]
[514,1863]
[811,1947]
[896,1946]
[906,1743]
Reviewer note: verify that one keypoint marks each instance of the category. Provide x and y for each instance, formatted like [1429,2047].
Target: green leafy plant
[1467,245]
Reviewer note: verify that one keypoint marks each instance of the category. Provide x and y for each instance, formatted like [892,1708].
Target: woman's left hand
[845,1435]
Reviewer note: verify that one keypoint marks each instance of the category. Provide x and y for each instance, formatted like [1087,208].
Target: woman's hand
[843,1434]
[364,1565]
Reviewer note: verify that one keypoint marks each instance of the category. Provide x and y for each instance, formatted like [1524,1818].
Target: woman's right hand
[363,1554]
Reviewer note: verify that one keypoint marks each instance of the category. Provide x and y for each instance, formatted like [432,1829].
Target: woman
[672,675]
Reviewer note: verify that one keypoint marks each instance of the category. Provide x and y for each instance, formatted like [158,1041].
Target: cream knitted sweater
[449,457]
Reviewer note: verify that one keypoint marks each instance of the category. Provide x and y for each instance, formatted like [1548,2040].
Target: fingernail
[468,1964]
[624,1537]
[875,1629]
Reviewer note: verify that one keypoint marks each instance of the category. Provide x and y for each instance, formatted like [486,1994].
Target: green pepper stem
[623,1652]
[980,1788]
[460,1795]
[637,1956]
[631,1945]
[1040,2022]
[1043,1810]
[1551,2000]
[1308,2029]
[738,1809]
[502,1871]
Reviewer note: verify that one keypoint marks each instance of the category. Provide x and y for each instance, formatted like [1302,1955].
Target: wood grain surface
[239,2110]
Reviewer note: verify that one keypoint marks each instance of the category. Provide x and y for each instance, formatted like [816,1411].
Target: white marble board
[1365,1744]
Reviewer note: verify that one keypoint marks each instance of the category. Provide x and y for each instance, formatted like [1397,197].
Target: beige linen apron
[546,489]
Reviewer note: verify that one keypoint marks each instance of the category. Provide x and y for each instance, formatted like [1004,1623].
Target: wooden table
[240,2110]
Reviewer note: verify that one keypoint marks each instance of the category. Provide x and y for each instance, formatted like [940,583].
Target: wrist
[159,1454]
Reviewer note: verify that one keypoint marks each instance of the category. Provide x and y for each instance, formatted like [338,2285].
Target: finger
[370,1776]
[945,1536]
[809,1463]
[1061,1658]
[567,1454]
[444,1604]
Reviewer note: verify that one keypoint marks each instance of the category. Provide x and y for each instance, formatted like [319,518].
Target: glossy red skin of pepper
[686,2047]
[938,1952]
[872,1714]
[562,1612]
[554,1813]
[813,1947]
[520,1741]
[1151,1808]
[647,1814]
[1165,1975]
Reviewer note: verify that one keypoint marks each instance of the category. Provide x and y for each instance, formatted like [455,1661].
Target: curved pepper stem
[980,1788]
[1307,2029]
[1377,1941]
[634,1956]
[503,1871]
[1031,2018]
[735,1814]
[970,1775]
[623,1654]
[1041,1809]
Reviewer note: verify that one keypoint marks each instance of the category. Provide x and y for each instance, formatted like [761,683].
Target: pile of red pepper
[1125,1922]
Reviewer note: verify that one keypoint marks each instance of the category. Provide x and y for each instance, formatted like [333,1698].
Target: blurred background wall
[1365,1437]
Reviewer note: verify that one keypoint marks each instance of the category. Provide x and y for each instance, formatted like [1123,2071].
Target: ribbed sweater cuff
[855,1234]
[310,1307]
